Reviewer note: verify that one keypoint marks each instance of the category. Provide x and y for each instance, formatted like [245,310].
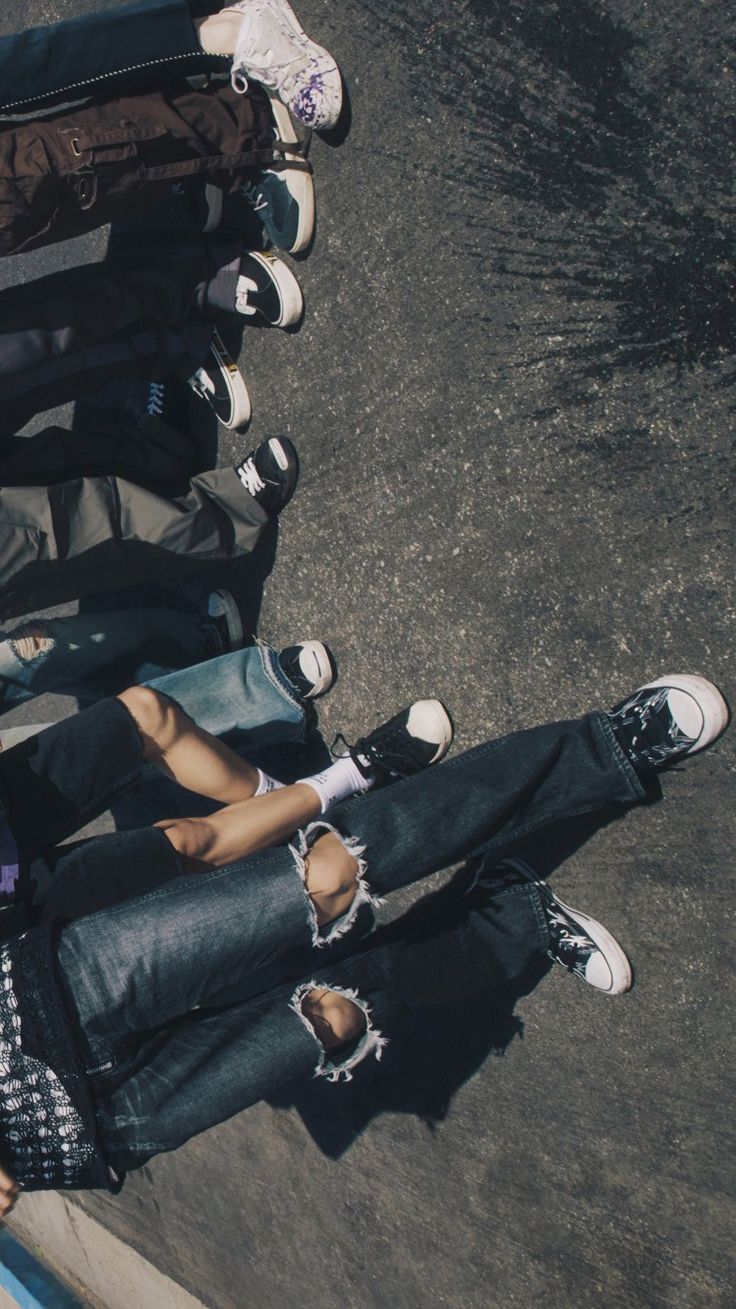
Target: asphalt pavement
[513,396]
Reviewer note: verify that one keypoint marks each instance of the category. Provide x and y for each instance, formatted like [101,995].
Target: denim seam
[105,77]
[601,726]
[278,680]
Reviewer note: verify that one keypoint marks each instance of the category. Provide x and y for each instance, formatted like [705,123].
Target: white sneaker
[274,50]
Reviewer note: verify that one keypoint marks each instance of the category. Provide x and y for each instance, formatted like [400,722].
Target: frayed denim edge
[371,1040]
[363,894]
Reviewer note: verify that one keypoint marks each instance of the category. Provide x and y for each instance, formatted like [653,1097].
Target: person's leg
[112,159]
[63,542]
[134,46]
[144,449]
[90,656]
[64,333]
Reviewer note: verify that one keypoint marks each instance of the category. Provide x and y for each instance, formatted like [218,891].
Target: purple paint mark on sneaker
[9,869]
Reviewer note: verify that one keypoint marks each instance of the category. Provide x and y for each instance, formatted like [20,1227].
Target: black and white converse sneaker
[283,199]
[267,289]
[220,382]
[270,473]
[224,615]
[309,667]
[667,719]
[578,942]
[411,740]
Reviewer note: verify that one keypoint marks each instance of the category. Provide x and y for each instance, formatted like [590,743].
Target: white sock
[341,779]
[266,784]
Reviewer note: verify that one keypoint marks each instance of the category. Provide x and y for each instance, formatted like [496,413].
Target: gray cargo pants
[61,542]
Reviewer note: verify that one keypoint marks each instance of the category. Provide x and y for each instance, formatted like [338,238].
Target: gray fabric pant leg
[61,542]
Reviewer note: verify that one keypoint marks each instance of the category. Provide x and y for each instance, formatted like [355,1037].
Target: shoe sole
[709,700]
[429,721]
[327,66]
[300,184]
[214,199]
[232,618]
[235,382]
[324,673]
[290,464]
[289,290]
[618,964]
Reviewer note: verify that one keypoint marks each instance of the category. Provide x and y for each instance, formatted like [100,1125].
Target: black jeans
[189,998]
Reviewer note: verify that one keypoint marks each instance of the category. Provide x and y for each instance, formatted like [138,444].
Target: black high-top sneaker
[414,738]
[577,942]
[270,473]
[309,667]
[667,719]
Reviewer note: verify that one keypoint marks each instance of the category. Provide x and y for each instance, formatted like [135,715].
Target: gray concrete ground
[512,393]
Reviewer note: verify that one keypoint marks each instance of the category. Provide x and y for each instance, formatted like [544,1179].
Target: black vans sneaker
[309,667]
[667,719]
[220,382]
[576,941]
[270,473]
[411,740]
[268,290]
[283,199]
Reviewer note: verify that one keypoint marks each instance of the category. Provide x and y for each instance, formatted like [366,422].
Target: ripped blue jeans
[189,999]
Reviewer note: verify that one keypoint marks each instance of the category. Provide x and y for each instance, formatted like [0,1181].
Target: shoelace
[156,393]
[250,477]
[245,287]
[256,199]
[640,718]
[263,65]
[202,383]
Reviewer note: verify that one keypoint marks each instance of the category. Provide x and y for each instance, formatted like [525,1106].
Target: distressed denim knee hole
[305,839]
[370,1042]
[30,642]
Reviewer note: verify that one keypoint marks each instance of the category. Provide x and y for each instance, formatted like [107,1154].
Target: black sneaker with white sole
[413,739]
[668,719]
[577,942]
[310,668]
[270,473]
[224,615]
[220,382]
[283,198]
[268,290]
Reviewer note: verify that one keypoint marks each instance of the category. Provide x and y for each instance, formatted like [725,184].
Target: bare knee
[155,716]
[334,1018]
[193,840]
[331,877]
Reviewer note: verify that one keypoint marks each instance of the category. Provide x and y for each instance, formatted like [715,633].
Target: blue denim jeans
[91,656]
[130,48]
[188,999]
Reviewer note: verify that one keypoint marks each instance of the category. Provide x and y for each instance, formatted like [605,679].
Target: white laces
[155,404]
[265,52]
[244,288]
[249,476]
[202,382]
[255,198]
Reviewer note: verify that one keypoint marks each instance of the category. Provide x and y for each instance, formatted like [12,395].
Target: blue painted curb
[28,1282]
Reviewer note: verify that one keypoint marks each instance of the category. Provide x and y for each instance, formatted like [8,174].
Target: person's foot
[576,941]
[268,290]
[220,382]
[204,201]
[270,473]
[224,615]
[283,199]
[414,738]
[273,49]
[667,719]
[309,667]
